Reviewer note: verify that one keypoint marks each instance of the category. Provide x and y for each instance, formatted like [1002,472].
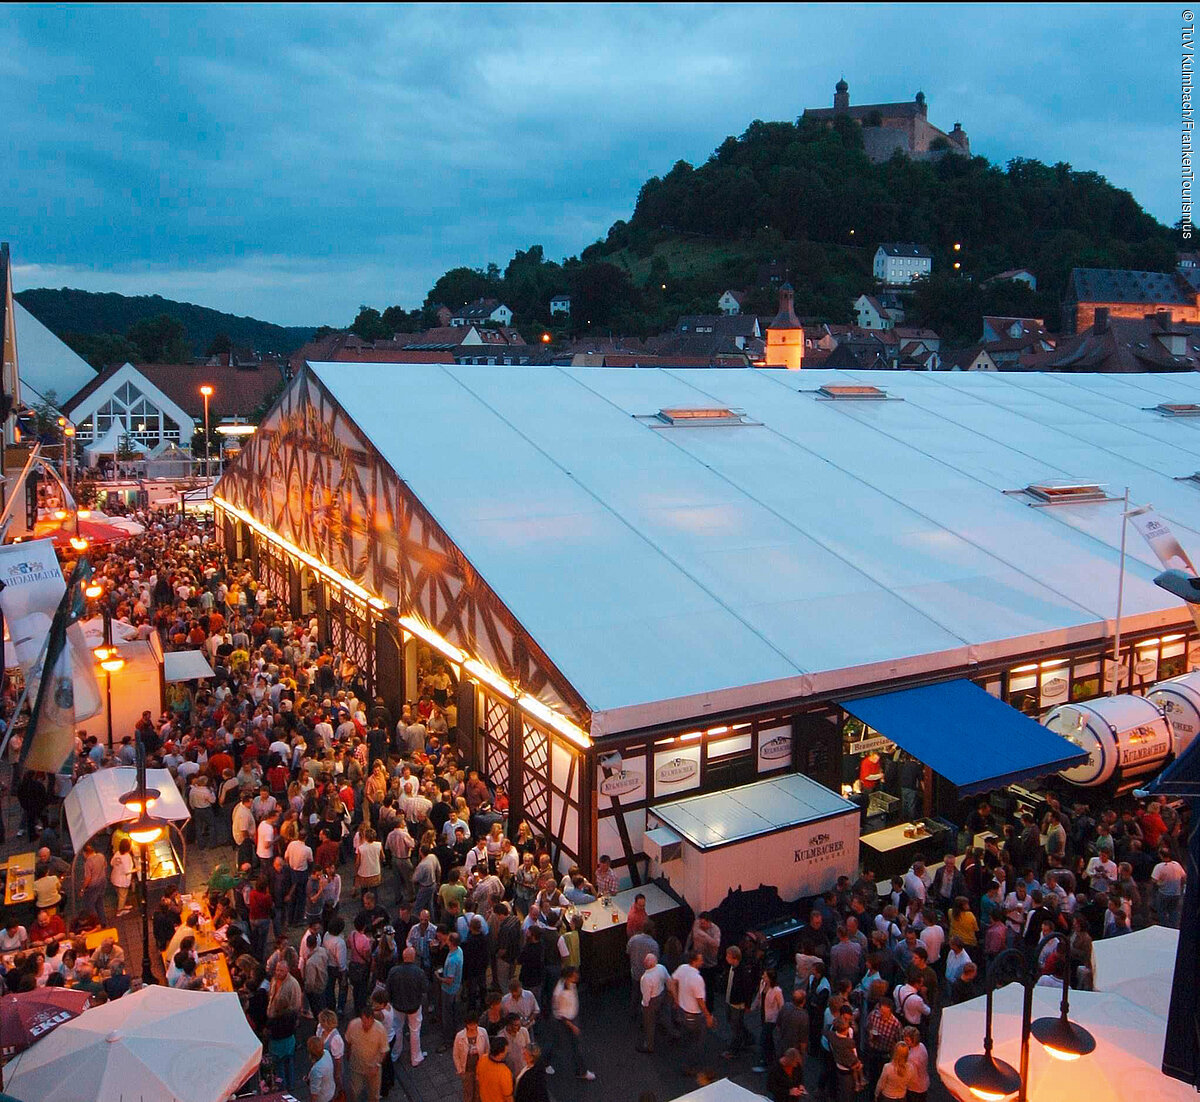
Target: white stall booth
[94,805]
[1126,738]
[787,832]
[1179,699]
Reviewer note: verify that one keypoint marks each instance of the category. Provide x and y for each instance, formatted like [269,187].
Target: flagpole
[1120,600]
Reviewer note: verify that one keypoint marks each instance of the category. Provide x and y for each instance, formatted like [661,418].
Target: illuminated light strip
[309,560]
[551,718]
[417,627]
[490,678]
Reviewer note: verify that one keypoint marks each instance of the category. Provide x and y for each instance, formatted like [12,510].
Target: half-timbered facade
[653,582]
[334,533]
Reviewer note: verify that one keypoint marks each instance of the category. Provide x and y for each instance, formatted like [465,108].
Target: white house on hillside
[480,311]
[560,304]
[730,302]
[898,263]
[871,314]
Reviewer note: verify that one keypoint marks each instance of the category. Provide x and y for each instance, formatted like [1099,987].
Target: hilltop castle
[892,127]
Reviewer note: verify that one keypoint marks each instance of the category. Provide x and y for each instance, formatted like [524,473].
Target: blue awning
[975,741]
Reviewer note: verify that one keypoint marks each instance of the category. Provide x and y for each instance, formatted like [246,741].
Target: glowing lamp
[60,514]
[133,800]
[103,652]
[545,338]
[83,514]
[206,390]
[957,246]
[111,665]
[69,430]
[1062,1038]
[957,265]
[987,1078]
[93,591]
[145,829]
[79,543]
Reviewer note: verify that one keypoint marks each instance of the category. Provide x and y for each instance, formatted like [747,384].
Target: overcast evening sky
[293,162]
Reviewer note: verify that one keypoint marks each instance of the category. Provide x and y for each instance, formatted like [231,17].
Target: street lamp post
[110,663]
[144,831]
[207,391]
[991,1079]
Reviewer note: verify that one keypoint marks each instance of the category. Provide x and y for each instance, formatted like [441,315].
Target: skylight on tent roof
[1062,492]
[1178,409]
[841,392]
[700,415]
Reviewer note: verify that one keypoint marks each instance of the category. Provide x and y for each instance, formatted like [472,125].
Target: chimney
[1163,317]
[1100,320]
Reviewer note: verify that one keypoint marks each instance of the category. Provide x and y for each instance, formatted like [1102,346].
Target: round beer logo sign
[778,747]
[621,783]
[676,770]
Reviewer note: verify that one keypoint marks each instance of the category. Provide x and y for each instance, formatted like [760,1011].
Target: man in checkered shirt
[606,879]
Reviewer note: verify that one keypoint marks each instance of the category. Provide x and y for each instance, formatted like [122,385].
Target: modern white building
[898,264]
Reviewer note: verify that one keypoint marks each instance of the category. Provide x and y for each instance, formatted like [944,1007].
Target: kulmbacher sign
[819,849]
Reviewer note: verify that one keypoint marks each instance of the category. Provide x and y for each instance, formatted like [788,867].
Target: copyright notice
[1187,124]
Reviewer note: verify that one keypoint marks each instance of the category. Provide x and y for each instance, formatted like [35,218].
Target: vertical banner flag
[1169,550]
[33,588]
[50,737]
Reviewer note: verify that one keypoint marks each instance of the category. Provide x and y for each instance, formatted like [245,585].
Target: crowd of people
[372,901]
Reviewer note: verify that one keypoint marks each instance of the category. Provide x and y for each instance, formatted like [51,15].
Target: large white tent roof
[46,363]
[670,570]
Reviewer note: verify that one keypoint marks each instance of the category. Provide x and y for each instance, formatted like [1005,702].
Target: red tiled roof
[237,391]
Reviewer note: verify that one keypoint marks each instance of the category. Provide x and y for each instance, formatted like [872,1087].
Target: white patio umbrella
[158,1044]
[1124,1066]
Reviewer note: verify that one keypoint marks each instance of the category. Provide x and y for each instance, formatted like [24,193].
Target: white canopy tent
[159,1044]
[185,665]
[1140,966]
[1125,1065]
[112,443]
[94,804]
[723,1090]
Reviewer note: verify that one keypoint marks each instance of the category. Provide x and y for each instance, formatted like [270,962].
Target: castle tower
[785,334]
[841,95]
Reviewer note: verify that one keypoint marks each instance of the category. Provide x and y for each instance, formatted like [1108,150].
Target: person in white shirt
[1170,879]
[914,881]
[299,858]
[910,1003]
[933,937]
[243,828]
[565,1008]
[690,997]
[956,960]
[264,846]
[1102,868]
[654,1001]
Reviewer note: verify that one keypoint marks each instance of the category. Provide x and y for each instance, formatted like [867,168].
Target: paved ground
[609,1037]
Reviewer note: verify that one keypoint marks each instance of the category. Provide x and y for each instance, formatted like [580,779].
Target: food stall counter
[602,937]
[890,851]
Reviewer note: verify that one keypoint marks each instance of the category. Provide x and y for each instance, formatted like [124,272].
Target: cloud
[300,160]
